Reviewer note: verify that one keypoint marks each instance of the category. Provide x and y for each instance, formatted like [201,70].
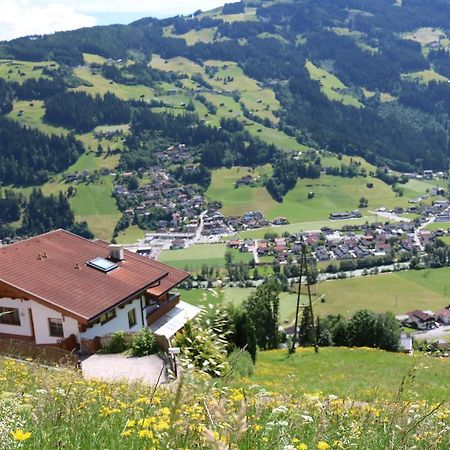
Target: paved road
[198,234]
[390,216]
[421,227]
[147,369]
[433,334]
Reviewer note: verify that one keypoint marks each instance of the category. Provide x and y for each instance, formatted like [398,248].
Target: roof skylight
[102,264]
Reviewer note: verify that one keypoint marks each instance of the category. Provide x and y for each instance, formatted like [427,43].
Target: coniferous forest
[395,121]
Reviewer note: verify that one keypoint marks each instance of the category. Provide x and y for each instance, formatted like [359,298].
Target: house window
[110,315]
[9,316]
[131,318]
[56,327]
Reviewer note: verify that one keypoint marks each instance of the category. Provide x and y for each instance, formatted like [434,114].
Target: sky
[25,17]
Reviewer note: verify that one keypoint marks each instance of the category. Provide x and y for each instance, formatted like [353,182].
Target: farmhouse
[421,320]
[61,289]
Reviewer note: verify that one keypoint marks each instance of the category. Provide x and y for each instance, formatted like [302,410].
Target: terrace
[158,307]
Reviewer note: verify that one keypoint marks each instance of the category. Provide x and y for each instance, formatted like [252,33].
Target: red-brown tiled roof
[52,268]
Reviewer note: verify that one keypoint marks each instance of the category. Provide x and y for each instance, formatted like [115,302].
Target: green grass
[331,194]
[425,35]
[274,136]
[360,374]
[130,235]
[14,70]
[266,35]
[192,37]
[236,201]
[331,86]
[178,64]
[425,76]
[89,58]
[194,257]
[95,204]
[331,160]
[32,116]
[92,202]
[445,240]
[398,292]
[248,16]
[100,85]
[235,296]
[438,225]
[304,226]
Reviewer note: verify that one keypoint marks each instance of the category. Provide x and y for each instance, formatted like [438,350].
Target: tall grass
[56,408]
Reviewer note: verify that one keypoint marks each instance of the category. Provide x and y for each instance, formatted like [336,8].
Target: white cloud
[24,17]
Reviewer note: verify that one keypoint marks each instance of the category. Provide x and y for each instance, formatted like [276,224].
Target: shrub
[241,363]
[144,343]
[203,348]
[117,344]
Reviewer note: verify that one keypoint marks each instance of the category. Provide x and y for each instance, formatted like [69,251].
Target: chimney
[116,252]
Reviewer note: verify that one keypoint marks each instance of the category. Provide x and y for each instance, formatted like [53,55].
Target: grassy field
[331,86]
[331,194]
[305,226]
[397,292]
[192,258]
[132,234]
[97,84]
[360,374]
[236,201]
[95,204]
[303,401]
[248,15]
[192,37]
[31,114]
[425,76]
[235,296]
[438,225]
[178,64]
[92,202]
[15,70]
[425,35]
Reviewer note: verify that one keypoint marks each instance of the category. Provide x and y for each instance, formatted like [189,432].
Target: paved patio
[117,367]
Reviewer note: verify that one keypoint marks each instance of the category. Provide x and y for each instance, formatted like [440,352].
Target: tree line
[37,214]
[28,156]
[83,112]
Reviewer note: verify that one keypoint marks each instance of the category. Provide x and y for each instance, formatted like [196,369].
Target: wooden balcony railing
[161,309]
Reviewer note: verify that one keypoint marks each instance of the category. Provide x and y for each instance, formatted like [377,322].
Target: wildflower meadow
[50,408]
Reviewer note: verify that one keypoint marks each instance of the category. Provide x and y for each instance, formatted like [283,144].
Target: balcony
[156,311]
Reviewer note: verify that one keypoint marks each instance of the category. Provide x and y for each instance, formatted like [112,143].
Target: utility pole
[304,268]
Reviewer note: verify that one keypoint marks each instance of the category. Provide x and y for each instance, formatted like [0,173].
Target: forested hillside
[241,85]
[364,43]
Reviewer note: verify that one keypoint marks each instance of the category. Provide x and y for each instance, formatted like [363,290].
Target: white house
[59,288]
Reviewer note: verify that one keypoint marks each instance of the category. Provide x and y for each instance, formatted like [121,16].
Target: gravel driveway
[147,369]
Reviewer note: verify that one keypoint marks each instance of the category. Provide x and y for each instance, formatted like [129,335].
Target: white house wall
[25,326]
[119,323]
[41,314]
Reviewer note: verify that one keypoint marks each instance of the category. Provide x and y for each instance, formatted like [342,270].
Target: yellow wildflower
[257,427]
[322,445]
[146,434]
[237,397]
[126,433]
[165,411]
[302,446]
[161,426]
[21,435]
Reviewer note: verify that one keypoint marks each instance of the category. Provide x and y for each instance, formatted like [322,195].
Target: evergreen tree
[306,331]
[262,308]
